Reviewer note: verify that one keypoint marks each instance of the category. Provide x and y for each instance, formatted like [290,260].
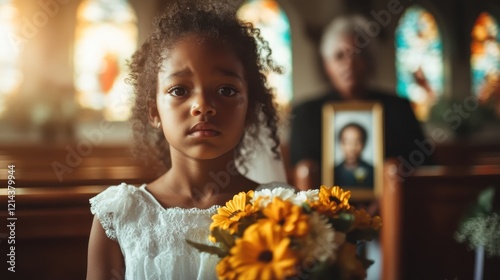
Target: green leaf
[342,222]
[224,238]
[306,208]
[485,199]
[207,248]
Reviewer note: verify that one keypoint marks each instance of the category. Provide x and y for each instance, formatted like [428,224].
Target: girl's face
[202,98]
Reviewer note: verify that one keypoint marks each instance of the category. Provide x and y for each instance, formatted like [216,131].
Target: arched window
[10,75]
[275,29]
[485,58]
[106,36]
[419,60]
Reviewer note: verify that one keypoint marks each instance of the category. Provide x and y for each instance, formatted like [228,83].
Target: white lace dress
[152,238]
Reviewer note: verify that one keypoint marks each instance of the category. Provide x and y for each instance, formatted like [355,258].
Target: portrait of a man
[353,145]
[353,170]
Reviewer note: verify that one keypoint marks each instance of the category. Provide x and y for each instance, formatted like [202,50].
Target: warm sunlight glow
[275,28]
[10,75]
[106,36]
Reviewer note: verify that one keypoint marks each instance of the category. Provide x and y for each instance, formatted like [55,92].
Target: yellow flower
[228,217]
[263,253]
[250,194]
[376,223]
[224,270]
[362,220]
[332,200]
[288,215]
[212,239]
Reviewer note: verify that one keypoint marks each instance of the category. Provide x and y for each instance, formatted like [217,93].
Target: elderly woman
[347,53]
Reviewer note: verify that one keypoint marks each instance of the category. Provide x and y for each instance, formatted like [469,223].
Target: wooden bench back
[421,214]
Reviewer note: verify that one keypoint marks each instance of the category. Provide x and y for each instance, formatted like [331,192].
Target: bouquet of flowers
[282,234]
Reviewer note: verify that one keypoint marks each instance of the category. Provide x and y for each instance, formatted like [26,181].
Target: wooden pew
[51,232]
[420,216]
[53,216]
[50,167]
[470,154]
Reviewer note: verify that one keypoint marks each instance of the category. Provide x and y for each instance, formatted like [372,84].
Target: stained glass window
[485,58]
[275,29]
[106,36]
[10,75]
[419,60]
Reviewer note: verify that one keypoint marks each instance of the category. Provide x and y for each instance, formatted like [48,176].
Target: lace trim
[120,207]
[106,219]
[176,208]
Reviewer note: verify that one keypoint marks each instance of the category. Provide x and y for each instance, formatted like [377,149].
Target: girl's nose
[202,106]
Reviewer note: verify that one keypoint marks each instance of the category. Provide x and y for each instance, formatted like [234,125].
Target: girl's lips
[204,133]
[203,129]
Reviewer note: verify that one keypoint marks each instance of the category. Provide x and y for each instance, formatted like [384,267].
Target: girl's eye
[227,91]
[177,91]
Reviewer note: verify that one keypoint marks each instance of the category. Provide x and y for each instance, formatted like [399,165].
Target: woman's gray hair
[345,25]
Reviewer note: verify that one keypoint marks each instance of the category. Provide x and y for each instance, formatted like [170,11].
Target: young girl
[200,95]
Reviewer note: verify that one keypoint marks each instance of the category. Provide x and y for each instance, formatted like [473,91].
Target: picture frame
[353,147]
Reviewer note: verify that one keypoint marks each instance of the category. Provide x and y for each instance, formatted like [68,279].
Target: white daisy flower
[269,191]
[304,196]
[322,241]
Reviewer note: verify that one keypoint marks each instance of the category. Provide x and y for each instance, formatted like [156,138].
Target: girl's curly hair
[208,19]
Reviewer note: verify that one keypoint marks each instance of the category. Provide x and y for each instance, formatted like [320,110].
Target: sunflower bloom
[263,253]
[224,270]
[289,216]
[376,223]
[332,200]
[228,217]
[363,220]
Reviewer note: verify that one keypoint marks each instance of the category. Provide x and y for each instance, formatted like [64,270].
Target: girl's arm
[105,259]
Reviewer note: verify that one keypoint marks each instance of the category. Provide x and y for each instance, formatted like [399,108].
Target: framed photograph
[353,147]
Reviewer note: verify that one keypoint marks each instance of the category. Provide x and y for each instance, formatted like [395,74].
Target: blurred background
[64,106]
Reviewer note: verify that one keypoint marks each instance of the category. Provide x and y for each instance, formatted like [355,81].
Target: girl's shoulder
[113,204]
[113,196]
